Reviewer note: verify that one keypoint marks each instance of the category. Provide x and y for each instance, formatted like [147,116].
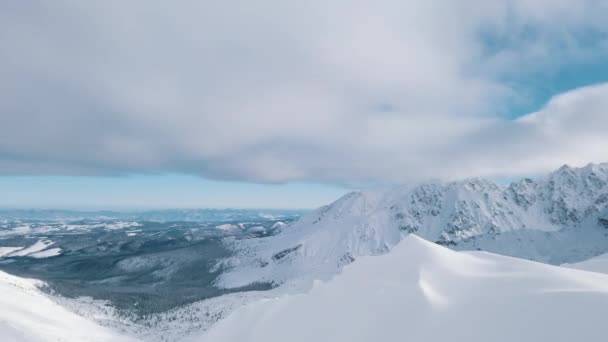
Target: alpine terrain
[421,291]
[559,218]
[420,261]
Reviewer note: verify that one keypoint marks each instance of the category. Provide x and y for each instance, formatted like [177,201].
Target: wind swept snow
[421,291]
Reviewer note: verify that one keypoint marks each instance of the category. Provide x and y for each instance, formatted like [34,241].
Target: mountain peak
[558,218]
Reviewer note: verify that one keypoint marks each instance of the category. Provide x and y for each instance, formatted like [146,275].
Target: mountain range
[558,218]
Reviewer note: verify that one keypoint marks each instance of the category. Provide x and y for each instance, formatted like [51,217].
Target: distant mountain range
[166,215]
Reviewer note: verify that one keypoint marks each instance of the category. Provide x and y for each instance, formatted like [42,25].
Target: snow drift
[421,291]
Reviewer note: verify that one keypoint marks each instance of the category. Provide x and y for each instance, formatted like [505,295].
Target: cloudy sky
[288,104]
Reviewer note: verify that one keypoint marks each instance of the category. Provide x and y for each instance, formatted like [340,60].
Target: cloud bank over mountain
[273,92]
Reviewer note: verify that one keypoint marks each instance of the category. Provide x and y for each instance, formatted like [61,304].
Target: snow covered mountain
[421,291]
[559,218]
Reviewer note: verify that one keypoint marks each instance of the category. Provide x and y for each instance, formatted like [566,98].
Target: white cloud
[275,91]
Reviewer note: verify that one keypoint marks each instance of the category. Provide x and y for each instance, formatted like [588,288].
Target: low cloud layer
[268,91]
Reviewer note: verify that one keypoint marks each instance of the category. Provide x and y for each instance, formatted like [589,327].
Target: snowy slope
[27,315]
[562,217]
[8,250]
[35,248]
[424,292]
[595,264]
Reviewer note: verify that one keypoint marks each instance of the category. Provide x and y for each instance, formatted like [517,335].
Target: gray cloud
[273,91]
